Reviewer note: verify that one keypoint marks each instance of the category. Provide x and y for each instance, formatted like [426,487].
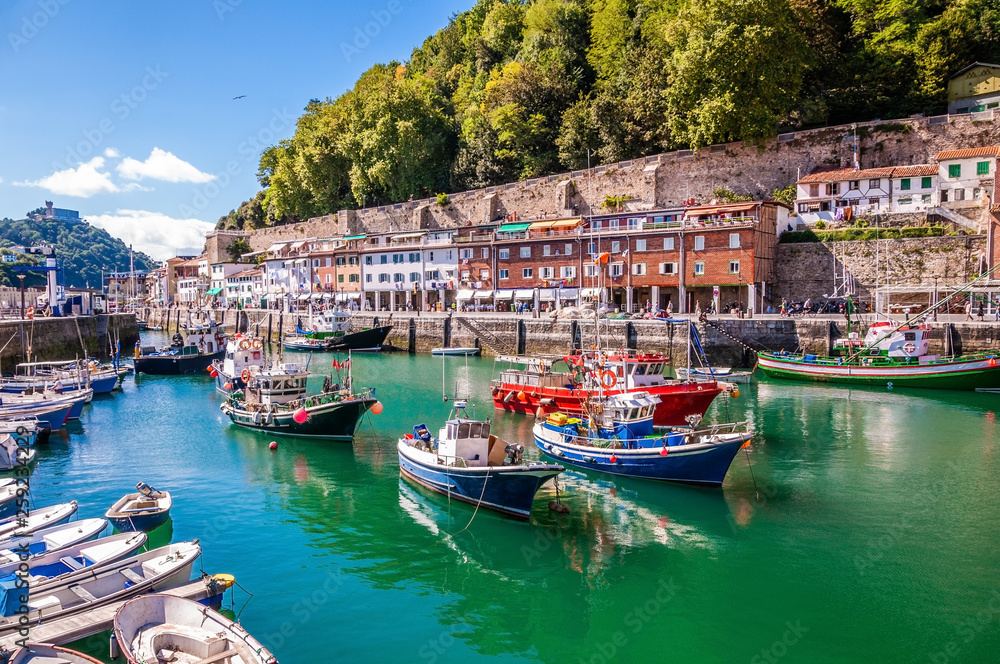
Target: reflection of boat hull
[365,340]
[175,365]
[743,377]
[677,401]
[957,374]
[506,489]
[336,420]
[704,464]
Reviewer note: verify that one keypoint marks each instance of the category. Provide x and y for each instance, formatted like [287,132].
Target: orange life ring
[245,344]
[605,375]
[909,347]
[245,375]
[257,344]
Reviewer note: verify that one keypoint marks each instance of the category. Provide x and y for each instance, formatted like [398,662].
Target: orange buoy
[521,396]
[376,408]
[228,386]
[614,459]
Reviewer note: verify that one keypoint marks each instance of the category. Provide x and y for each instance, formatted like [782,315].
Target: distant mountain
[83,249]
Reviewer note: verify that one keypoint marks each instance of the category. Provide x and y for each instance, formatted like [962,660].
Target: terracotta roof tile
[848,174]
[988,151]
[915,171]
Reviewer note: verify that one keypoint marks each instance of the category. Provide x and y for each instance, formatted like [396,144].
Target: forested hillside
[514,89]
[83,249]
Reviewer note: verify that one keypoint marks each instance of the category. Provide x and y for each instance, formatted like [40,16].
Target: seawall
[53,339]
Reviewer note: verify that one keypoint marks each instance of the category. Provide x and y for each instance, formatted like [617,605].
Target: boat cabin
[337,322]
[465,439]
[909,341]
[281,385]
[242,353]
[638,371]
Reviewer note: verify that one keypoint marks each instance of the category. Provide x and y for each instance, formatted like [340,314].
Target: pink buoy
[300,416]
[273,446]
[376,408]
[614,459]
[663,452]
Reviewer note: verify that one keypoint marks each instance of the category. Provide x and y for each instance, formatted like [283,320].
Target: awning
[483,293]
[590,292]
[504,294]
[539,225]
[356,237]
[567,223]
[407,236]
[342,297]
[568,293]
[317,296]
[213,291]
[524,294]
[513,228]
[304,296]
[546,294]
[466,294]
[277,247]
[298,245]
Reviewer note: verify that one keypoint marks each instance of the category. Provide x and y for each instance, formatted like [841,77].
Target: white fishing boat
[457,350]
[53,566]
[84,590]
[11,493]
[164,628]
[243,355]
[43,517]
[725,374]
[53,538]
[45,653]
[13,455]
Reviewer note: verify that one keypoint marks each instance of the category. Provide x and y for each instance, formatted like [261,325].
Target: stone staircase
[491,341]
[954,217]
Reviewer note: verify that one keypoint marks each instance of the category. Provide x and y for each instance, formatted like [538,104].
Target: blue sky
[124,110]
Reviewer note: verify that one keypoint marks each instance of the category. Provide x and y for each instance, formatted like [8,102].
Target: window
[485,252]
[960,194]
[874,183]
[397,258]
[639,269]
[699,243]
[905,201]
[904,184]
[414,277]
[465,275]
[503,254]
[504,273]
[415,257]
[617,269]
[813,190]
[340,260]
[668,244]
[329,261]
[832,189]
[328,280]
[368,260]
[944,195]
[590,270]
[449,255]
[433,274]
[640,245]
[525,252]
[484,274]
[954,170]
[591,248]
[568,249]
[982,168]
[613,223]
[315,262]
[368,278]
[383,278]
[616,247]
[383,259]
[734,240]
[546,272]
[340,278]
[353,260]
[734,267]
[699,268]
[465,253]
[668,268]
[854,184]
[927,198]
[567,272]
[430,255]
[546,250]
[527,273]
[633,223]
[925,183]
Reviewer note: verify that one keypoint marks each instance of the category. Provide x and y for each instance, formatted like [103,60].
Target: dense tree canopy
[514,89]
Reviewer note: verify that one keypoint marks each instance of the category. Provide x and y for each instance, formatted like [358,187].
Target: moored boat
[52,415]
[13,455]
[302,343]
[21,548]
[145,627]
[40,517]
[242,353]
[468,463]
[192,352]
[143,510]
[275,401]
[45,653]
[335,328]
[52,566]
[457,350]
[617,436]
[725,374]
[71,374]
[12,492]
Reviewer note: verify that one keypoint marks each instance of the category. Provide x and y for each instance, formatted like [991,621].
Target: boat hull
[957,374]
[456,351]
[699,464]
[365,340]
[677,402]
[509,490]
[175,365]
[337,420]
[141,523]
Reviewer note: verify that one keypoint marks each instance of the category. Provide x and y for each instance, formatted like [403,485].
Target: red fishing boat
[538,386]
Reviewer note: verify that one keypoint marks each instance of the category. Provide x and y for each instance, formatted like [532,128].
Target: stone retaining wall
[54,339]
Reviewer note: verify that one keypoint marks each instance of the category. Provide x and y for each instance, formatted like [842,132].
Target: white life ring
[909,347]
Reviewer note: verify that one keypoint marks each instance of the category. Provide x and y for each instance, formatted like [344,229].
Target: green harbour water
[875,536]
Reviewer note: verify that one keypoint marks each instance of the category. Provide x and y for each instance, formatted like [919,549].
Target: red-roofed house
[966,176]
[914,188]
[831,195]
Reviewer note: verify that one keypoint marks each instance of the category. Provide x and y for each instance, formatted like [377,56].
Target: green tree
[236,250]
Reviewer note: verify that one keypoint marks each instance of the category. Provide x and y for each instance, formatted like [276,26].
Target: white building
[843,193]
[219,273]
[391,270]
[244,288]
[440,269]
[914,188]
[286,273]
[966,176]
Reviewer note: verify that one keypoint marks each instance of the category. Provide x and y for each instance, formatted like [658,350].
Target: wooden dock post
[522,334]
[411,346]
[631,336]
[269,316]
[447,331]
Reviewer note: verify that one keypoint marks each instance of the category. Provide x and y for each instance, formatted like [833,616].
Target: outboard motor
[515,454]
[177,340]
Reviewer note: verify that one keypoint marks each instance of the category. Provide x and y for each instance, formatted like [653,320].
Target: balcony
[483,237]
[555,233]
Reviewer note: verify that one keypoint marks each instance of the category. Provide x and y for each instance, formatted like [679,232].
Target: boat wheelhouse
[243,353]
[333,327]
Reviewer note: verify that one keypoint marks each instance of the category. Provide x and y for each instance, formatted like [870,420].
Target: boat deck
[79,626]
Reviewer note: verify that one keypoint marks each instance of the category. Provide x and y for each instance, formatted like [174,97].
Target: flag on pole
[602,258]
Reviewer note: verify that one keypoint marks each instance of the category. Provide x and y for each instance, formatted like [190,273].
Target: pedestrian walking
[784,307]
[980,312]
[968,309]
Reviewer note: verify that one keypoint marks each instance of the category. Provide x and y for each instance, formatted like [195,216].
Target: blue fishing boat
[52,415]
[71,374]
[11,493]
[616,435]
[466,462]
[144,510]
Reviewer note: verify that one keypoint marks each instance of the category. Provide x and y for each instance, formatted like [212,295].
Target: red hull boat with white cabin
[537,386]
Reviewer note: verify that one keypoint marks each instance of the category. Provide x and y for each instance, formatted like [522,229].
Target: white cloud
[83,181]
[162,165]
[135,186]
[112,153]
[155,233]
